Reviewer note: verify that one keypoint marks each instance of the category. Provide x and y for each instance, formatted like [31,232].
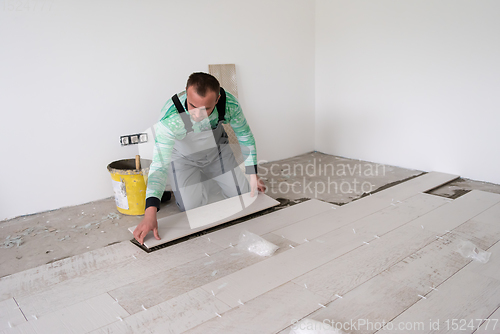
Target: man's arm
[237,120]
[158,171]
[166,130]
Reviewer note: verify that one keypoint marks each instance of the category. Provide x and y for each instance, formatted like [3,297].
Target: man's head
[202,91]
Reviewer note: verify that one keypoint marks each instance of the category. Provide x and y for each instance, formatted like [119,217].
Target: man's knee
[188,201]
[241,180]
[235,183]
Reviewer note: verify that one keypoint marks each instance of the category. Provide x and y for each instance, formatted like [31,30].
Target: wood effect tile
[267,313]
[81,317]
[329,221]
[101,281]
[175,315]
[465,296]
[10,314]
[259,278]
[270,222]
[368,306]
[178,225]
[457,212]
[352,269]
[40,278]
[181,279]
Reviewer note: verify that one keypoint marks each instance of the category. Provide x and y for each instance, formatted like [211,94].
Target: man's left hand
[256,184]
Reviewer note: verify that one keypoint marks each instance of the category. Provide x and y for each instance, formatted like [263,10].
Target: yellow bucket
[129,178]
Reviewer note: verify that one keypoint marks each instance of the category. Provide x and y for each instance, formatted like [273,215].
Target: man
[192,148]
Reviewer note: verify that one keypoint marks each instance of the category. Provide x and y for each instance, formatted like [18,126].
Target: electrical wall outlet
[124,140]
[133,139]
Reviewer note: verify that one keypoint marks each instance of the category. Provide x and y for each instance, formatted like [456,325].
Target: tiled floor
[51,236]
[388,257]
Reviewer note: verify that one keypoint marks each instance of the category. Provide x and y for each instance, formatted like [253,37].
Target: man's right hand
[148,223]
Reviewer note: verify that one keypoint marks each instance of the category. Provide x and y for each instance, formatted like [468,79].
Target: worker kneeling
[191,148]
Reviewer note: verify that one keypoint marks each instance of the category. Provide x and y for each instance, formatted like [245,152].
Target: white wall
[413,83]
[77,75]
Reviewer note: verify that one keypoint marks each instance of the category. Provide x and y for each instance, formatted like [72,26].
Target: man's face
[200,107]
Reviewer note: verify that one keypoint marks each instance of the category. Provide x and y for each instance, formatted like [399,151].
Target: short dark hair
[203,82]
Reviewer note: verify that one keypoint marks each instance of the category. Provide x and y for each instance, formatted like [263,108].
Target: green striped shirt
[170,128]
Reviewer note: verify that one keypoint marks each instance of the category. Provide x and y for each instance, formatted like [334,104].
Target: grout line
[20,309]
[484,320]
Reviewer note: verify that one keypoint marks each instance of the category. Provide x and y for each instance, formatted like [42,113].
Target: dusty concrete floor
[50,236]
[328,178]
[460,186]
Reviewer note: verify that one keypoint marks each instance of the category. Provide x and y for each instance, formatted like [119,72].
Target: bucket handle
[138,162]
